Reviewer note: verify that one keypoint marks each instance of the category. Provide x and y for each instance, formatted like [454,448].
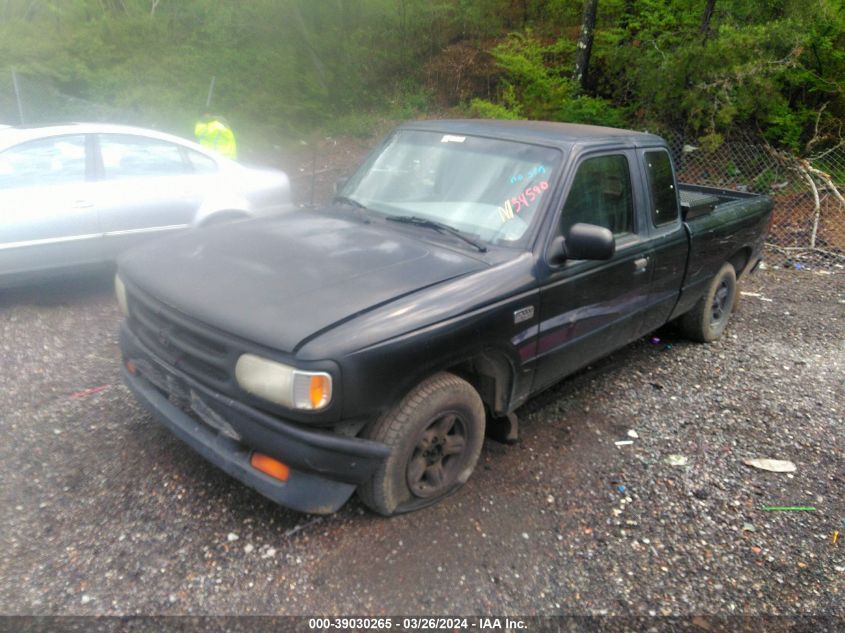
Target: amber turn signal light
[270,466]
[320,390]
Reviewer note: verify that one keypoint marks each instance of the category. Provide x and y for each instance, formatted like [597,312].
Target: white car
[79,194]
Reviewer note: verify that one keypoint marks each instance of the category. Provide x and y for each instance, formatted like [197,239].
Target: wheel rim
[439,456]
[719,307]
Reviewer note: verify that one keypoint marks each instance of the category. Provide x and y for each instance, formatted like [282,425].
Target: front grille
[181,342]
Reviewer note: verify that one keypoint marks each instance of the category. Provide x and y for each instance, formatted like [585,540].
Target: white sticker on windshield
[451,138]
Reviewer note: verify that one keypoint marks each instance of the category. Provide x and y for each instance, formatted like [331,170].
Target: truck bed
[718,222]
[698,200]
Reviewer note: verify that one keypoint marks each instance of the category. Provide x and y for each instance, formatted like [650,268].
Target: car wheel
[223,218]
[435,435]
[709,317]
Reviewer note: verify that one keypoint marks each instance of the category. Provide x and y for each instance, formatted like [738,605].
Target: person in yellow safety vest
[214,133]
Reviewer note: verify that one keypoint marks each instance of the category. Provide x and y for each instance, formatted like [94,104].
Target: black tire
[709,317]
[435,434]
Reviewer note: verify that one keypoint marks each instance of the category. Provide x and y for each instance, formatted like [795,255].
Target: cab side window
[661,183]
[49,161]
[601,194]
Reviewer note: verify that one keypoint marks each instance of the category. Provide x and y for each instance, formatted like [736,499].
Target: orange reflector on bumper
[270,466]
[130,365]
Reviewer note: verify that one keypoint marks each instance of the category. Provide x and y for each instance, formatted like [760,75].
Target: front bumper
[325,468]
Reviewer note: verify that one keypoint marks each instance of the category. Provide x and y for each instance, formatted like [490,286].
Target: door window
[661,183]
[48,161]
[126,156]
[601,195]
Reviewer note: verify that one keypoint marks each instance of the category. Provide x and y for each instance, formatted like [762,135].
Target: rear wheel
[709,317]
[435,435]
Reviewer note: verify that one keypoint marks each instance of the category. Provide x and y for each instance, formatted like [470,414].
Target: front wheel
[709,317]
[435,435]
[223,218]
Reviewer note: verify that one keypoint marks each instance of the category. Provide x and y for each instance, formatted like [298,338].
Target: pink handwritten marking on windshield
[527,197]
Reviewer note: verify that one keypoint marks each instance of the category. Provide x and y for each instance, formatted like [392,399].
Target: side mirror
[340,183]
[588,241]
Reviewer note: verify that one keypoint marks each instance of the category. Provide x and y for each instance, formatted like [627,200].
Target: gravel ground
[106,513]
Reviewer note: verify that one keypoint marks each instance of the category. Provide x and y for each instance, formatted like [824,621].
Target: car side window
[601,194]
[49,161]
[201,163]
[661,183]
[127,156]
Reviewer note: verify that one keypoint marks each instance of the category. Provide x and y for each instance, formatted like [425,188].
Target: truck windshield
[488,189]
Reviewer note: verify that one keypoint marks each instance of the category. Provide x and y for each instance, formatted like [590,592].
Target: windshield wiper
[437,226]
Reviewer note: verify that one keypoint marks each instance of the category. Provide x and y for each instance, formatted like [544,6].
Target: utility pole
[210,93]
[17,95]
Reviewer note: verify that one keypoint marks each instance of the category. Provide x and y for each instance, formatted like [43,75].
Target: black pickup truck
[466,266]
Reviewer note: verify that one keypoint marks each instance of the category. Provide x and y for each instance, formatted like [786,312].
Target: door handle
[82,204]
[640,265]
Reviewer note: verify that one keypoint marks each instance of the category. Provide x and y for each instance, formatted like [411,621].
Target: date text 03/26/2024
[416,624]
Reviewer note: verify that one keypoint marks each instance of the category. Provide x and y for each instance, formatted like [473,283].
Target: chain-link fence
[33,101]
[808,227]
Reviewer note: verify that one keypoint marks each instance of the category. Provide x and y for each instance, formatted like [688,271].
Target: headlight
[120,293]
[282,384]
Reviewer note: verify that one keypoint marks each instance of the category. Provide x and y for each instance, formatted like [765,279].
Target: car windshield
[488,189]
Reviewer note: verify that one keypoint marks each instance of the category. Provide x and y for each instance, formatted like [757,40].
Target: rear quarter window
[200,163]
[661,183]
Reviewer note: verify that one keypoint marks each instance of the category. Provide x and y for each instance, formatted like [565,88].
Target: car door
[47,216]
[147,188]
[590,308]
[669,241]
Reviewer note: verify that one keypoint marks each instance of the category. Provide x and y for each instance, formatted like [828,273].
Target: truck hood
[279,281]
